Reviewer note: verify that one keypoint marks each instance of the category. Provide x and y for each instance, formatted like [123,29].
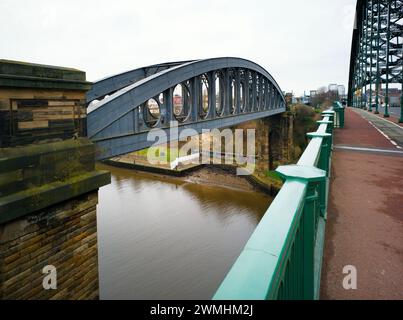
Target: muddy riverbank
[218,175]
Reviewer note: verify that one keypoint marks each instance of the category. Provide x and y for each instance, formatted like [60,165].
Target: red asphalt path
[365,216]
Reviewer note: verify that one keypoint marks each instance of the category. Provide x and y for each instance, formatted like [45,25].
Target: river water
[165,238]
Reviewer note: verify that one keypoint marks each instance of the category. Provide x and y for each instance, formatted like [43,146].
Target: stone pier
[274,137]
[48,185]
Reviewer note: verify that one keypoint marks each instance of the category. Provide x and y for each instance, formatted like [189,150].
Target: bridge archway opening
[250,93]
[204,101]
[242,97]
[152,112]
[161,98]
[264,94]
[181,102]
[233,95]
[219,92]
[258,93]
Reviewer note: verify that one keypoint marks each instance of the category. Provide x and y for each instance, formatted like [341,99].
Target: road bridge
[376,54]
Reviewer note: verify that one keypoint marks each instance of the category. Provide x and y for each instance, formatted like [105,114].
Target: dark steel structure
[198,95]
[376,53]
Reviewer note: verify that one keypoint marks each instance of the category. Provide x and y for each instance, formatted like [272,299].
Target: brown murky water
[165,238]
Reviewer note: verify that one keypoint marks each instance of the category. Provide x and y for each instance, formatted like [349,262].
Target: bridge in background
[199,95]
[376,54]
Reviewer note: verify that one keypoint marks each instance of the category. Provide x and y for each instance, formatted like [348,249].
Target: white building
[333,87]
[341,90]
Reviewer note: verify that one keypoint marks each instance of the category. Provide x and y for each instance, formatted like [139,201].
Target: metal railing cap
[325,122]
[318,135]
[306,173]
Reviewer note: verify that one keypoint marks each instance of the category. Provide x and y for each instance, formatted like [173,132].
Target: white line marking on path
[384,134]
[396,125]
[368,149]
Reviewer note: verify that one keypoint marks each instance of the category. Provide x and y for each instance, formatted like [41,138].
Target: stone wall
[48,185]
[274,139]
[40,103]
[64,236]
[280,139]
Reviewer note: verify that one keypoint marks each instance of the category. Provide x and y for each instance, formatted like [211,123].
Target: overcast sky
[303,44]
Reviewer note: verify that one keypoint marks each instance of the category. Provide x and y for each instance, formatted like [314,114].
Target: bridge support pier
[274,140]
[48,185]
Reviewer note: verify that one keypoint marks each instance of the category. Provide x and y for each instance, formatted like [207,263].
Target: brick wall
[65,236]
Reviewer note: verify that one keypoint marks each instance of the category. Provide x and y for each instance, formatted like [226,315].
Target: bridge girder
[199,95]
[112,84]
[377,50]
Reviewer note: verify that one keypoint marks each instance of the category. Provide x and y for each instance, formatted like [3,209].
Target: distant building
[333,87]
[394,96]
[178,104]
[306,100]
[314,93]
[341,90]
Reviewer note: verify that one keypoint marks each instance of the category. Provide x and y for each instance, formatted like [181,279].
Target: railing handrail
[254,274]
[310,157]
[261,267]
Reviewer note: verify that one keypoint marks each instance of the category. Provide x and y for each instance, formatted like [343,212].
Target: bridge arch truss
[376,52]
[202,94]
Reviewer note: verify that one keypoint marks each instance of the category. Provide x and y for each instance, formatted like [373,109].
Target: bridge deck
[365,222]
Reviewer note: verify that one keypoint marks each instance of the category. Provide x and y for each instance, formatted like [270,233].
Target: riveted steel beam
[376,52]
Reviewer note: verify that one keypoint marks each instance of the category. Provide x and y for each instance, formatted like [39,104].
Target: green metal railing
[339,109]
[283,258]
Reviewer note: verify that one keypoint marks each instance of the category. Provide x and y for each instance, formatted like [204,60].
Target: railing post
[339,109]
[337,115]
[312,176]
[309,222]
[329,113]
[324,161]
[324,164]
[329,127]
[341,117]
[332,117]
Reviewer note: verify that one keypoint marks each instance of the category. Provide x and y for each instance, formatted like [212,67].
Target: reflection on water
[162,238]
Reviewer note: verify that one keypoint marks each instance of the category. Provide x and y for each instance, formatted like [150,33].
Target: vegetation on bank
[305,120]
[163,153]
[271,178]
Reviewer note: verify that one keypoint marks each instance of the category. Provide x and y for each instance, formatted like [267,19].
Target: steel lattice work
[377,53]
[199,95]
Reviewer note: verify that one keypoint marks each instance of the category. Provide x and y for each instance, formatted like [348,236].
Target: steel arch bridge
[198,95]
[376,52]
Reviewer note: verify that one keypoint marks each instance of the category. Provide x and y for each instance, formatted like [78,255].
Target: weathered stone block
[73,252]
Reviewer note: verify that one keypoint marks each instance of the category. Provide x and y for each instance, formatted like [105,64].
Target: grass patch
[273,175]
[162,154]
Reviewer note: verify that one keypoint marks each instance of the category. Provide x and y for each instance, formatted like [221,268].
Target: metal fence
[283,258]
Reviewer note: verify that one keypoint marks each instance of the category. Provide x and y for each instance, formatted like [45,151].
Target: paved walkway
[365,219]
[389,127]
